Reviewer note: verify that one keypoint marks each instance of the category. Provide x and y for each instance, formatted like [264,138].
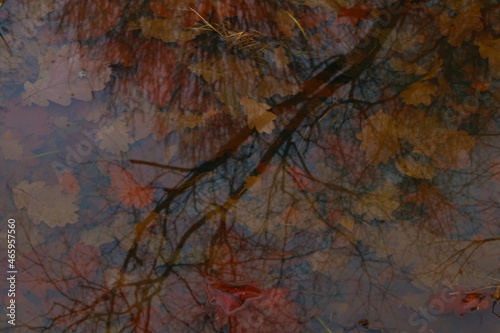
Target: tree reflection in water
[253,166]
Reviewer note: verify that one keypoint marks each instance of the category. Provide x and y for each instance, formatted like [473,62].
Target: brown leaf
[258,116]
[66,73]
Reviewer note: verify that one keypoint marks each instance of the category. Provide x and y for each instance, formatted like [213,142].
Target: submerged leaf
[65,73]
[46,203]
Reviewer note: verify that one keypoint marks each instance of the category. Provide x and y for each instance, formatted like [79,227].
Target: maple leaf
[258,116]
[379,138]
[65,73]
[460,28]
[126,188]
[490,48]
[46,203]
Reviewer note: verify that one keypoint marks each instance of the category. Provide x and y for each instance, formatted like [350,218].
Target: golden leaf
[258,116]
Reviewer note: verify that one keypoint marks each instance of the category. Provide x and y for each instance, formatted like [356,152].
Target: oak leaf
[66,73]
[257,115]
[114,138]
[46,203]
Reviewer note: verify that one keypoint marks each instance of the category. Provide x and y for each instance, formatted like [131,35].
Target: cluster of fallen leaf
[176,73]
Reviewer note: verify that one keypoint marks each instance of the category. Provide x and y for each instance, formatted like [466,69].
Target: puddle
[249,166]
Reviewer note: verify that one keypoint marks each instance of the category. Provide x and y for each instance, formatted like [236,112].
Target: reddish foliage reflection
[247,308]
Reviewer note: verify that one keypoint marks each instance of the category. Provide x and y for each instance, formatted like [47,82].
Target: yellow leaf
[258,116]
[490,48]
[419,92]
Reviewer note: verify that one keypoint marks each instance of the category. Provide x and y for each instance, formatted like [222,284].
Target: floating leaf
[65,73]
[258,116]
[115,138]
